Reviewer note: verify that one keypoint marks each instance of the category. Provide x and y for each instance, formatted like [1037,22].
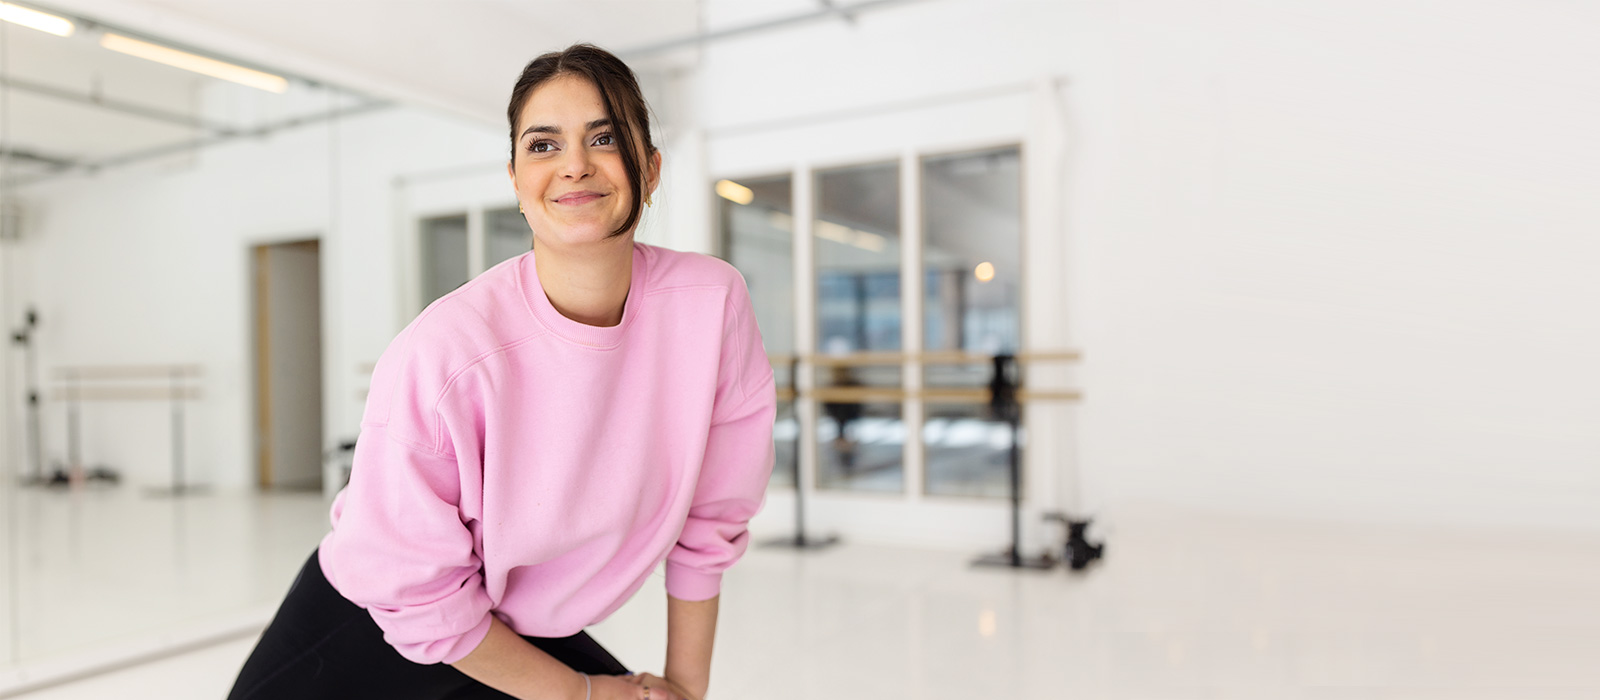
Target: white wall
[1332,259]
[150,264]
[1328,259]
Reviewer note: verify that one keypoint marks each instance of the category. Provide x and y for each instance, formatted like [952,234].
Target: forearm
[691,629]
[508,663]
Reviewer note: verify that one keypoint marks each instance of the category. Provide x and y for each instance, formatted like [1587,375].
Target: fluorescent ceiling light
[198,64]
[735,192]
[34,19]
[839,233]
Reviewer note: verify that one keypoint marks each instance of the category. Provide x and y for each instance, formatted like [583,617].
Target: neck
[589,286]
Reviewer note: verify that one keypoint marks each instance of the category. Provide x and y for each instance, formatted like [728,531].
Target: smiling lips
[575,198]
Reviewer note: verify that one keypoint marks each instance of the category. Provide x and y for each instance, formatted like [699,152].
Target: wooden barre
[936,357]
[977,395]
[126,372]
[124,393]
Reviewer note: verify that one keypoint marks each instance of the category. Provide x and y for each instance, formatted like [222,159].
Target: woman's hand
[660,688]
[634,688]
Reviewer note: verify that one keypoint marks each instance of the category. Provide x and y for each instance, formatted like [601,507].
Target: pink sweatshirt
[516,462]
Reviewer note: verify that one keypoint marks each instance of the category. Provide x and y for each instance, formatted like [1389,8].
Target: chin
[587,235]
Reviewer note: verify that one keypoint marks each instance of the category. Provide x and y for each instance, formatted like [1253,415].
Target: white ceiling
[459,56]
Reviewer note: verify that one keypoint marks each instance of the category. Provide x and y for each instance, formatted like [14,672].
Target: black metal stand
[24,337]
[1004,405]
[1078,551]
[799,540]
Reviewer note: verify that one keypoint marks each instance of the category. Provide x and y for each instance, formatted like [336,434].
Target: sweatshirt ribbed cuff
[686,583]
[468,641]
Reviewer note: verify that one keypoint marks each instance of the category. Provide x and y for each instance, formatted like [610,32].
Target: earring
[519,208]
[647,200]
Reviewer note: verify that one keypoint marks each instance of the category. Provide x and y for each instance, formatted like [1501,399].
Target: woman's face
[567,169]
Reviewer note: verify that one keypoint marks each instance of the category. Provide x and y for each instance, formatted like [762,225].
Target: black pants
[321,645]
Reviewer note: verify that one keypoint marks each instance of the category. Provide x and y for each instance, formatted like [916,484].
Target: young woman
[538,441]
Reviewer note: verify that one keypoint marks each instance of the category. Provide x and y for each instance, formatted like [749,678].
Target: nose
[577,164]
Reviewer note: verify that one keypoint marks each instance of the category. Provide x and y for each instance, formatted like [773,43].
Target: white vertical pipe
[805,319]
[1051,474]
[911,318]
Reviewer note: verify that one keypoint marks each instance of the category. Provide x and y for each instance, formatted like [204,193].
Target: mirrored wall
[195,270]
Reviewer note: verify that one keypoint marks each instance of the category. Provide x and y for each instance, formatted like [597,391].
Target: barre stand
[176,391]
[799,540]
[1004,405]
[178,394]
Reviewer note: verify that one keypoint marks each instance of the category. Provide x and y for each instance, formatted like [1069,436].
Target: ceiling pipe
[114,105]
[196,144]
[843,13]
[33,156]
[827,10]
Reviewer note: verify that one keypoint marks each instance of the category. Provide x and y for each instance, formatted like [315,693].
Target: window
[444,256]
[972,272]
[757,224]
[860,438]
[506,235]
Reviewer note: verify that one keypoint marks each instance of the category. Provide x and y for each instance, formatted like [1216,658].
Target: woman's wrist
[694,691]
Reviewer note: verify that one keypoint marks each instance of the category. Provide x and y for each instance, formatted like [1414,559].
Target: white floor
[1185,605]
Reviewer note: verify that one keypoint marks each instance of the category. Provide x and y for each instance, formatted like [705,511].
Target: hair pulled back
[624,103]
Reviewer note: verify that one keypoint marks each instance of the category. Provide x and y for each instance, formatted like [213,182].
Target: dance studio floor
[1186,605]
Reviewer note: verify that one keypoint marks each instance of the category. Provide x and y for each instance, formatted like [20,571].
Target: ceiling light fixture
[735,192]
[34,19]
[984,271]
[192,62]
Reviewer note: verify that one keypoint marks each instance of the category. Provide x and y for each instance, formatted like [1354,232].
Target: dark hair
[619,90]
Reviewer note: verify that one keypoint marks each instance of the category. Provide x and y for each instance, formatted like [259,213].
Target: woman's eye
[540,147]
[604,140]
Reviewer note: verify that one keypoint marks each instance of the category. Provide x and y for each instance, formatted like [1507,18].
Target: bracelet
[585,685]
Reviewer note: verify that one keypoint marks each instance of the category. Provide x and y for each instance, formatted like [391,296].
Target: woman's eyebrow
[548,129]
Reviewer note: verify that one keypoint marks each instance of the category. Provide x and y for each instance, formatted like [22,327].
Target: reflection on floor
[99,567]
[1185,605]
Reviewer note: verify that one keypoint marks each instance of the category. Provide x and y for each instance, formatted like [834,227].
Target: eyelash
[535,144]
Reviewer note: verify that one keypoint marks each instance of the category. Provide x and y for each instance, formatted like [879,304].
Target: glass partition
[444,256]
[756,219]
[972,274]
[506,235]
[860,434]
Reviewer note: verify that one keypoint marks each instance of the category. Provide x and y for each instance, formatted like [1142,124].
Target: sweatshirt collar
[597,337]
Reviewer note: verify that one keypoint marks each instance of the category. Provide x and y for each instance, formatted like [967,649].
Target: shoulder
[670,269]
[674,271]
[454,333]
[488,312]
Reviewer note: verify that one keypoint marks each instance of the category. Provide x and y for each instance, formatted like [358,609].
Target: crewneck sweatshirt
[516,463]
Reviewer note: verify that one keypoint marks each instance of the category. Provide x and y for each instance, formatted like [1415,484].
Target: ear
[511,174]
[652,178]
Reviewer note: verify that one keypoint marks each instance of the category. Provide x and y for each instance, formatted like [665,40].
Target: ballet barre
[1004,395]
[119,383]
